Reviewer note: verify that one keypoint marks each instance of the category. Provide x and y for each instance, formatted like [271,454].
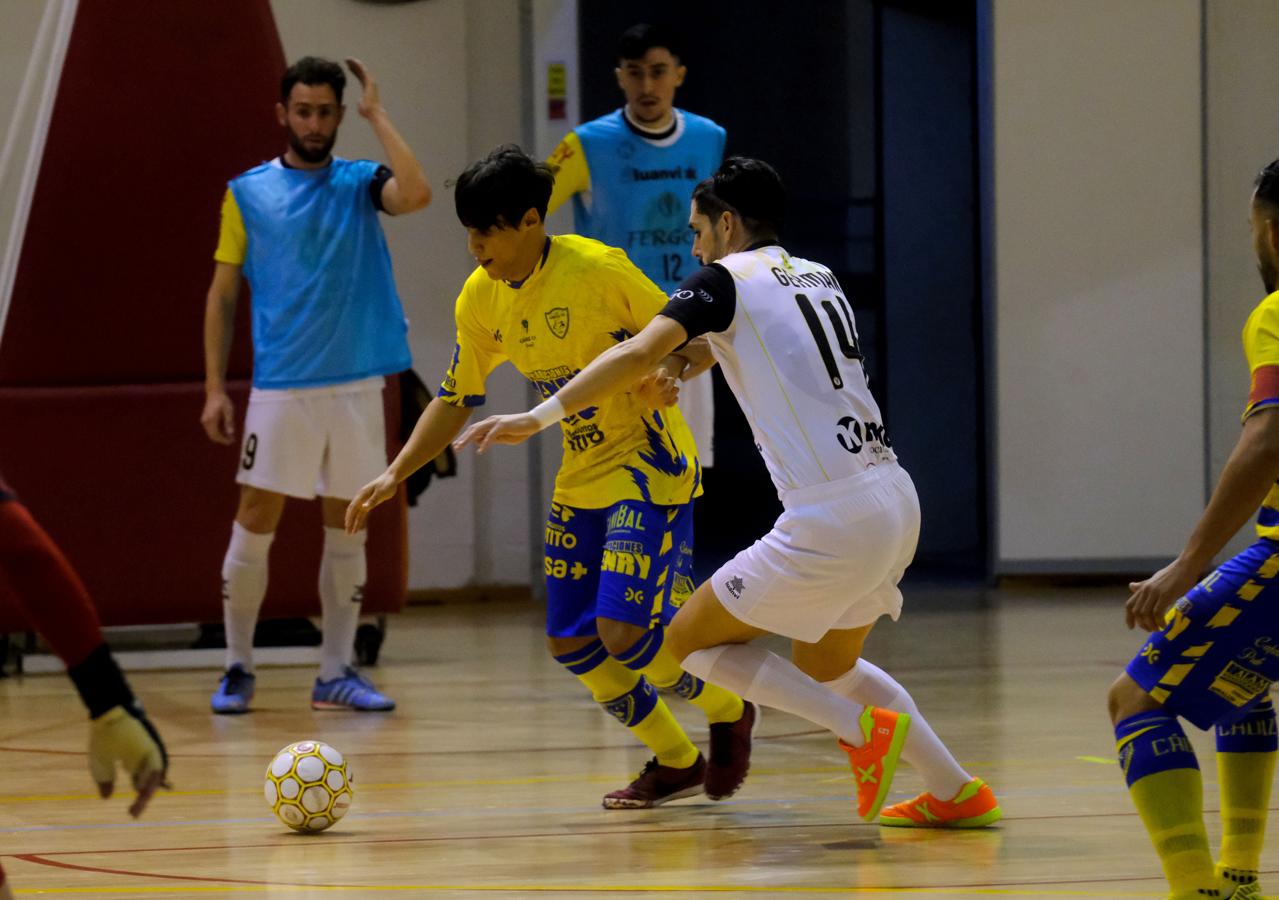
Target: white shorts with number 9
[328,441]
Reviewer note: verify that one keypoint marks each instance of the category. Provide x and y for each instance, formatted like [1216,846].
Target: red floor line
[38,859]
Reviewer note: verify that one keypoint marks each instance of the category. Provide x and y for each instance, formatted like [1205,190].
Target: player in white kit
[783,334]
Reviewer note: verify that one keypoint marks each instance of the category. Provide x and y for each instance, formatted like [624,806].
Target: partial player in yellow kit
[619,537]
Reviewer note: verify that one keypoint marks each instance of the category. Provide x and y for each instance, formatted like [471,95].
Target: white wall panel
[1098,269]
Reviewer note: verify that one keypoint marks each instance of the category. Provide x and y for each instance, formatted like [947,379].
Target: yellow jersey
[582,298]
[1261,347]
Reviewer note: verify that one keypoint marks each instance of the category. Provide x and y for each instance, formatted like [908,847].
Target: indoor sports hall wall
[1098,282]
[1122,268]
[453,78]
[1242,118]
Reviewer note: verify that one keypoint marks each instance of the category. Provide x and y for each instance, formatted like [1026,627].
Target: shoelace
[650,766]
[236,679]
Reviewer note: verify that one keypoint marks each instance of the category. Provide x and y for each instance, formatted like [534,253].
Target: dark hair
[1267,185]
[639,39]
[500,188]
[312,70]
[751,188]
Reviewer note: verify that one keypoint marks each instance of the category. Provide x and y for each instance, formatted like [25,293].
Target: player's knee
[1127,698]
[259,511]
[618,637]
[559,646]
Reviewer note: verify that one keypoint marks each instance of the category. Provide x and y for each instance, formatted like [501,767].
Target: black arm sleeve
[706,301]
[380,178]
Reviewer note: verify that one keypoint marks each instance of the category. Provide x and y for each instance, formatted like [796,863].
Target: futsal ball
[308,786]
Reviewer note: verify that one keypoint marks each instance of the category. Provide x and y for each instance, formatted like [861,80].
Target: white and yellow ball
[308,786]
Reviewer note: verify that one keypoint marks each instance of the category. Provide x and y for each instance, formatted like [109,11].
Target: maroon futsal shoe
[658,784]
[730,753]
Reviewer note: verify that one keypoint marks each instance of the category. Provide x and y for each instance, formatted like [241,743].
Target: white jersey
[784,336]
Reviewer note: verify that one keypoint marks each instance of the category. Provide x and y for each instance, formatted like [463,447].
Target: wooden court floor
[486,781]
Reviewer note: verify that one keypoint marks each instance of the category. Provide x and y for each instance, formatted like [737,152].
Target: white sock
[868,684]
[342,574]
[757,674]
[244,576]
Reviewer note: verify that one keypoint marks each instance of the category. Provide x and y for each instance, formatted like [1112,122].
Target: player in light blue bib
[303,231]
[631,174]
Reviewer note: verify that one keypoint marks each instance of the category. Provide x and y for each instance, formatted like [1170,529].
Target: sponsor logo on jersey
[687,294]
[674,173]
[659,237]
[854,435]
[557,321]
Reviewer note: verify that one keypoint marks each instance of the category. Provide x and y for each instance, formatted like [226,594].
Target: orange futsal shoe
[875,762]
[974,806]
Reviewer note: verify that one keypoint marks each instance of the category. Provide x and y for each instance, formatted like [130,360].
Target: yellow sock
[1246,750]
[1171,806]
[633,701]
[1159,765]
[1245,795]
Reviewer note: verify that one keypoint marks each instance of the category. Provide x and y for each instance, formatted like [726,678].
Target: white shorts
[329,440]
[832,561]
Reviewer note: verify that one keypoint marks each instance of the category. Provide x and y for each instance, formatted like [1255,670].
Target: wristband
[100,682]
[548,412]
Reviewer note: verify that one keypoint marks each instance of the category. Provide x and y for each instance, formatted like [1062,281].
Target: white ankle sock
[868,684]
[757,674]
[244,577]
[342,574]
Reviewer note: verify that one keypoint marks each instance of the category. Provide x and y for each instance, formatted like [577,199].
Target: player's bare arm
[699,356]
[218,417]
[438,425]
[407,190]
[612,371]
[659,388]
[1249,473]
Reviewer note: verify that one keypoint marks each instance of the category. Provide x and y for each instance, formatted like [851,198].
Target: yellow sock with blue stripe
[1246,753]
[650,655]
[1163,779]
[633,701]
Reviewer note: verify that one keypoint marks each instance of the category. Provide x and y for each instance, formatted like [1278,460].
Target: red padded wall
[101,360]
[159,105]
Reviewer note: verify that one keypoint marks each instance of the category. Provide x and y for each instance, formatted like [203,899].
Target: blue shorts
[1219,652]
[632,561]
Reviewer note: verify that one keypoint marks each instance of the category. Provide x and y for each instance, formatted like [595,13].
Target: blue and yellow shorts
[632,562]
[1219,652]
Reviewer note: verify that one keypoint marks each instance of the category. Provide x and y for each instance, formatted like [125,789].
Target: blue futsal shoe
[351,691]
[234,692]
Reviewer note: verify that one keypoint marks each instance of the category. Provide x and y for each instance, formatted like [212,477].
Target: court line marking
[524,751]
[983,888]
[840,771]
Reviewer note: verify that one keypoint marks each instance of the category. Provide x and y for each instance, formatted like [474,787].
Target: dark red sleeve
[45,586]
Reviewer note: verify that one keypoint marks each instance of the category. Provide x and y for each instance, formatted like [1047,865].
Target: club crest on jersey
[557,321]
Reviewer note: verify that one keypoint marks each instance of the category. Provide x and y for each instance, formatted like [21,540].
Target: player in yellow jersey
[619,536]
[1215,648]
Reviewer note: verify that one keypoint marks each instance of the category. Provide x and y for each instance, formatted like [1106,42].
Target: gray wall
[1241,114]
[1098,274]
